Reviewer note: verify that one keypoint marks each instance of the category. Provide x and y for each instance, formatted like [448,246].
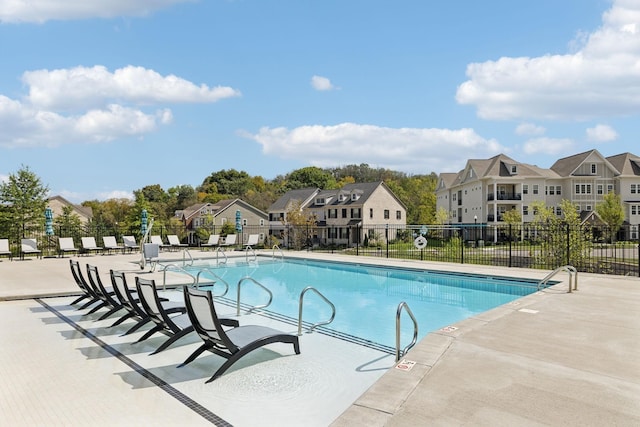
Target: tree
[25,199]
[611,212]
[310,177]
[563,239]
[301,223]
[68,223]
[512,218]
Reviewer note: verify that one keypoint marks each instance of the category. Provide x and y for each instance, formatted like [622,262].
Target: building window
[386,214]
[558,210]
[552,190]
[593,169]
[635,209]
[261,222]
[332,213]
[453,197]
[525,188]
[371,213]
[583,188]
[398,214]
[634,188]
[344,213]
[609,188]
[535,188]
[525,210]
[558,190]
[514,169]
[355,213]
[600,188]
[588,208]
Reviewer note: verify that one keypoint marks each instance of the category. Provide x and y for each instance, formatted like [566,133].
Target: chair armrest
[229,322]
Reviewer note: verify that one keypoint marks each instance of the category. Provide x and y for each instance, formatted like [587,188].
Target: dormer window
[320,201]
[355,196]
[514,169]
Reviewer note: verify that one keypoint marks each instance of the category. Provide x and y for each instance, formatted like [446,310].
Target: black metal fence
[588,248]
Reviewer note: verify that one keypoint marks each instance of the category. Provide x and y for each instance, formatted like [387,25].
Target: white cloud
[23,125]
[602,77]
[94,105]
[530,129]
[601,133]
[4,178]
[321,83]
[83,87]
[39,11]
[548,146]
[412,150]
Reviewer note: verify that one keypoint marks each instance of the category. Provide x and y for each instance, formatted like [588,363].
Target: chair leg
[137,326]
[87,304]
[173,339]
[194,355]
[110,312]
[80,298]
[129,315]
[150,332]
[98,307]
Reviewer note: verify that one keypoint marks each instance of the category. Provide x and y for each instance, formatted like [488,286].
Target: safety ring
[420,242]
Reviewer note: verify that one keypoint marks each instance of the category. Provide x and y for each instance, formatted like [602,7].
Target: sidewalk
[551,358]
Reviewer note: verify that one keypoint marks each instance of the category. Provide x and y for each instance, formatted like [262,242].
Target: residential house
[214,215]
[57,203]
[343,216]
[486,188]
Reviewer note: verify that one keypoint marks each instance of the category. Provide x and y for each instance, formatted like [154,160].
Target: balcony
[491,218]
[504,196]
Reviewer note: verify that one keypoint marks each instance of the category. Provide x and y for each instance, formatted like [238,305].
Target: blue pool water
[367,297]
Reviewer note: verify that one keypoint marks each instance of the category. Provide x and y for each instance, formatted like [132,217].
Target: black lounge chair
[104,293]
[130,302]
[87,291]
[232,344]
[176,326]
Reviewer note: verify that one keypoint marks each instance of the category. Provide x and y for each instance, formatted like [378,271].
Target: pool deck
[550,358]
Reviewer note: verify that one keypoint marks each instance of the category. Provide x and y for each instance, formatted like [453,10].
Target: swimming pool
[366,297]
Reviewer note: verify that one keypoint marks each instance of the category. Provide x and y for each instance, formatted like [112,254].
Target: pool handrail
[300,304]
[186,252]
[219,251]
[178,268]
[213,273]
[573,277]
[246,255]
[256,307]
[400,353]
[273,252]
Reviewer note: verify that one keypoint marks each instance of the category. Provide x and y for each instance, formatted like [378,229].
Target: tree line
[23,196]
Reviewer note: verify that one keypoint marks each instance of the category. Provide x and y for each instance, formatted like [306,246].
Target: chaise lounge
[232,344]
[5,250]
[29,247]
[176,326]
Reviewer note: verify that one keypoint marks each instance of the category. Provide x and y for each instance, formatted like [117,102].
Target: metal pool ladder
[255,307]
[573,277]
[315,325]
[213,273]
[400,353]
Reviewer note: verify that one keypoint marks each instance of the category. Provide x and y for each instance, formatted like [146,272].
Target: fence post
[462,236]
[386,237]
[568,244]
[510,247]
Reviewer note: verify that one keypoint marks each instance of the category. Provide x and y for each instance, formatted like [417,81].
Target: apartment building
[487,188]
[360,206]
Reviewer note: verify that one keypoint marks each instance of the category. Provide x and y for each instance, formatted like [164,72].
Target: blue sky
[102,98]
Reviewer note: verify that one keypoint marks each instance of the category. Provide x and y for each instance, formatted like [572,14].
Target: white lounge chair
[89,245]
[253,240]
[174,241]
[5,250]
[65,244]
[229,241]
[130,243]
[214,240]
[157,240]
[110,244]
[29,247]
